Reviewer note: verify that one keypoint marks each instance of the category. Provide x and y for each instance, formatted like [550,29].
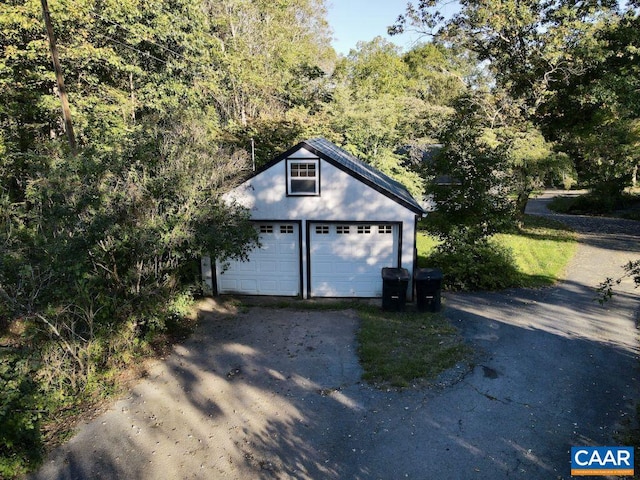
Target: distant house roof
[420,152]
[431,151]
[427,154]
[355,167]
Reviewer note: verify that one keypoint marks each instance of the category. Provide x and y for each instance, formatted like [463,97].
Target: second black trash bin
[394,288]
[428,287]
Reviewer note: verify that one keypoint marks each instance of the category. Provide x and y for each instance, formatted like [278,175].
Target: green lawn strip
[398,349]
[541,250]
[425,243]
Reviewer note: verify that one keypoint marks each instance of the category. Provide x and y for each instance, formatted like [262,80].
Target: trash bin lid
[389,273]
[428,274]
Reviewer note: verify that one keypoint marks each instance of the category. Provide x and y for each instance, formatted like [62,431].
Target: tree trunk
[521,201]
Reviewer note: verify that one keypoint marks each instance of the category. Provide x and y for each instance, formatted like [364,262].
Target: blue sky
[363,20]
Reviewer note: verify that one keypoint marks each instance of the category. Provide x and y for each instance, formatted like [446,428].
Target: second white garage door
[346,260]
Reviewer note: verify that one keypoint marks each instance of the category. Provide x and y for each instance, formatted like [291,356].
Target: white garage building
[328,224]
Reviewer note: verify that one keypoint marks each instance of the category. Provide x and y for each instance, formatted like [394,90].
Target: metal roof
[357,168]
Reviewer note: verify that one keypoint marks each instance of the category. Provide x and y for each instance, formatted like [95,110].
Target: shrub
[595,203]
[20,440]
[484,265]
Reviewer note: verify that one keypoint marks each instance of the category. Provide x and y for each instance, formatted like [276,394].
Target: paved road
[267,393]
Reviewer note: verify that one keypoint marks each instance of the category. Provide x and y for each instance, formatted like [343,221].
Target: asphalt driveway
[267,393]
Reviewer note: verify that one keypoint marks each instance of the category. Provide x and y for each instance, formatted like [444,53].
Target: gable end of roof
[355,167]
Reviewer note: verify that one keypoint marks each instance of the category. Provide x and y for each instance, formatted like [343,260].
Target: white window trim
[303,161]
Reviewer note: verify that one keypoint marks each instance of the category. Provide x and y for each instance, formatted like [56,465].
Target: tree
[531,160]
[437,74]
[375,69]
[569,65]
[475,203]
[527,44]
[270,55]
[606,288]
[383,101]
[596,113]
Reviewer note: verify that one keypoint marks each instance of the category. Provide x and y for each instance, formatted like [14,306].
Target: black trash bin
[428,288]
[394,288]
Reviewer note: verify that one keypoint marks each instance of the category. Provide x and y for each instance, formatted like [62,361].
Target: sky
[363,20]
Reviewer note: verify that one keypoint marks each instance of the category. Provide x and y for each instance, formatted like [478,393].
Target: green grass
[541,249]
[425,244]
[399,349]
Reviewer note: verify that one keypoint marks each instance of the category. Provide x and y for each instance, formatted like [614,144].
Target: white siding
[342,198]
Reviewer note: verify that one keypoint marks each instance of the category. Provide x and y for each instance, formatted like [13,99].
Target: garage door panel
[364,287]
[323,267]
[228,284]
[322,249]
[289,286]
[323,289]
[367,270]
[269,286]
[343,268]
[268,267]
[239,286]
[241,267]
[268,248]
[272,269]
[288,267]
[288,249]
[347,259]
[381,249]
[248,285]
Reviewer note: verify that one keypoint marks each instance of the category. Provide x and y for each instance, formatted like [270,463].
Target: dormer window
[303,177]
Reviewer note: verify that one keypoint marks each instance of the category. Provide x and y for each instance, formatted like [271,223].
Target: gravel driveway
[268,393]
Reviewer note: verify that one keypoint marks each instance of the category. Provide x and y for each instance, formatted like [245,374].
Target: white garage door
[273,269]
[347,259]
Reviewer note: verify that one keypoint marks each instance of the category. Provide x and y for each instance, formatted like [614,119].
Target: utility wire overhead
[126,45]
[146,39]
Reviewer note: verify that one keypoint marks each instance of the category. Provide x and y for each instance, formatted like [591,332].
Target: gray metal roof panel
[372,176]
